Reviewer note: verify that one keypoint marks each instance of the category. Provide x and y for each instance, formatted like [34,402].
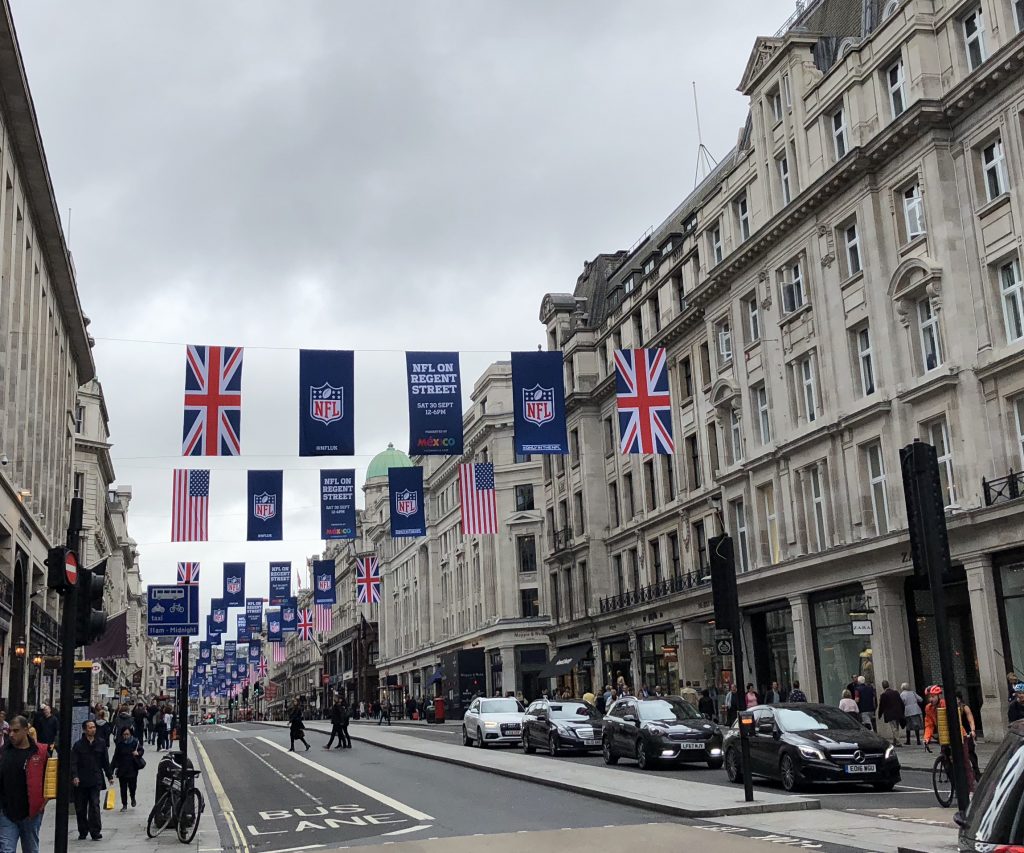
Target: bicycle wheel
[942,781]
[161,815]
[189,812]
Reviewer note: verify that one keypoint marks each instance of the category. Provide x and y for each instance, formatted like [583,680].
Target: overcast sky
[372,176]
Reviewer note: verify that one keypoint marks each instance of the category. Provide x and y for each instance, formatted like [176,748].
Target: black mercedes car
[802,743]
[559,725]
[995,818]
[659,729]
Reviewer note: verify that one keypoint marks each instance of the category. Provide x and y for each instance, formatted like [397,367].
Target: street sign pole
[183,699]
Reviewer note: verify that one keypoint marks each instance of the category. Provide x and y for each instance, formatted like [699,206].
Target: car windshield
[667,709]
[996,813]
[501,706]
[813,719]
[573,711]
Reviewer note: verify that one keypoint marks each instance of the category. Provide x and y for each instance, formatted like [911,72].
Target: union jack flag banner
[305,624]
[213,401]
[323,617]
[367,580]
[643,401]
[188,574]
[261,670]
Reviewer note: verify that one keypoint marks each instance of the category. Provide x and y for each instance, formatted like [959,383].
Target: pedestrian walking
[139,721]
[103,730]
[127,757]
[689,693]
[336,725]
[849,705]
[890,709]
[971,732]
[796,694]
[89,767]
[913,716]
[169,725]
[5,729]
[773,696]
[297,727]
[385,712]
[123,720]
[867,702]
[1016,710]
[22,771]
[153,717]
[46,726]
[160,722]
[732,704]
[751,698]
[346,741]
[706,705]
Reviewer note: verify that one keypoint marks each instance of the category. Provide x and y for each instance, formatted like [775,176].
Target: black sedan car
[802,743]
[559,725]
[995,818]
[659,729]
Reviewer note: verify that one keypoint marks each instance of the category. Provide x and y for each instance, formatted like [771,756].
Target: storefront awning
[565,660]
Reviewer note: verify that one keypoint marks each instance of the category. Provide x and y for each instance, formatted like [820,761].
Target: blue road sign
[173,611]
[172,682]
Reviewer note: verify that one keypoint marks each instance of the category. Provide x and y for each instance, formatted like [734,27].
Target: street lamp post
[38,661]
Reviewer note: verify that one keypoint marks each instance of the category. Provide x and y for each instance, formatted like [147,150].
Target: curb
[611,796]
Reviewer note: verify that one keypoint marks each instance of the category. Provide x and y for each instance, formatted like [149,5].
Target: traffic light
[257,689]
[57,564]
[723,583]
[90,618]
[245,693]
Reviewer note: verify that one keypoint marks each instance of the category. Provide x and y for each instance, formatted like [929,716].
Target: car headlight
[890,753]
[490,724]
[811,752]
[657,730]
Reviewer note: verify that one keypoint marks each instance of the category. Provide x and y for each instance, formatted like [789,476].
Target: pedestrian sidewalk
[918,758]
[657,792]
[125,832]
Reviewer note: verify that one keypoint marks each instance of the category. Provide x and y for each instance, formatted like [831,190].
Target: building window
[79,419]
[656,573]
[775,101]
[673,552]
[787,194]
[521,458]
[620,580]
[668,463]
[817,522]
[574,447]
[701,542]
[839,133]
[890,9]
[928,329]
[715,242]
[638,330]
[526,549]
[938,436]
[686,372]
[713,448]
[808,388]
[79,484]
[993,163]
[897,94]
[974,38]
[1018,8]
[865,361]
[649,265]
[739,517]
[609,437]
[629,284]
[1018,416]
[770,547]
[1013,299]
[529,603]
[634,567]
[735,436]
[556,598]
[743,216]
[524,498]
[650,485]
[878,524]
[613,503]
[654,312]
[705,364]
[627,488]
[793,288]
[723,335]
[577,506]
[764,423]
[752,311]
[693,460]
[913,211]
[851,246]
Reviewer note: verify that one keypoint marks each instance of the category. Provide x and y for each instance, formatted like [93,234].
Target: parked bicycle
[178,803]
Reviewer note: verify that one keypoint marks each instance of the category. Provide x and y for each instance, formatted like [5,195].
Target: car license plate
[691,744]
[860,768]
[591,741]
[512,728]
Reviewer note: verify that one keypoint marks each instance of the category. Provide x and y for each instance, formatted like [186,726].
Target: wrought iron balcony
[1004,489]
[661,589]
[561,540]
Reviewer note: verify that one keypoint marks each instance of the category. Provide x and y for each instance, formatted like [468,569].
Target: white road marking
[391,802]
[229,728]
[409,829]
[307,847]
[287,779]
[237,836]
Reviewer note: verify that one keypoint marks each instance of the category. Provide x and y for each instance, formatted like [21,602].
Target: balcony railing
[561,540]
[661,589]
[1007,488]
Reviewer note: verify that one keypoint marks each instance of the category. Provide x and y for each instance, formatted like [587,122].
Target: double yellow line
[237,835]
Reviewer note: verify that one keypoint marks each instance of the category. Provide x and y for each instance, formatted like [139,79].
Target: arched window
[845,46]
[890,9]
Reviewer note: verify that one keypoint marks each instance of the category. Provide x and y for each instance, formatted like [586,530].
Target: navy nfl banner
[230,648]
[408,514]
[213,638]
[435,403]
[280,583]
[338,504]
[274,626]
[255,651]
[234,586]
[205,652]
[326,398]
[538,403]
[253,616]
[242,669]
[219,615]
[241,628]
[266,508]
[289,616]
[323,582]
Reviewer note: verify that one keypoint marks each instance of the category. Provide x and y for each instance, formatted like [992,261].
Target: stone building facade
[847,280]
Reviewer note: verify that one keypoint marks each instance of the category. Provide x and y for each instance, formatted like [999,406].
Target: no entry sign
[71,568]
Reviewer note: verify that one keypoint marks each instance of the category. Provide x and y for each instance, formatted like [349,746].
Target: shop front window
[1012,578]
[617,662]
[842,655]
[655,667]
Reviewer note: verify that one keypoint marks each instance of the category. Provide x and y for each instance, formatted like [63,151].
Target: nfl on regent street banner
[408,516]
[323,582]
[234,587]
[266,490]
[280,583]
[326,398]
[435,403]
[253,616]
[230,647]
[274,626]
[289,616]
[241,630]
[538,403]
[338,504]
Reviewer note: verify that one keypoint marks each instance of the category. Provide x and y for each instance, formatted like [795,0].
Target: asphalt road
[915,791]
[269,800]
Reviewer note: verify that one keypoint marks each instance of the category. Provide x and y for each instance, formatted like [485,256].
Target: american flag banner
[280,652]
[323,617]
[477,498]
[643,401]
[305,624]
[367,580]
[188,574]
[213,401]
[176,660]
[190,505]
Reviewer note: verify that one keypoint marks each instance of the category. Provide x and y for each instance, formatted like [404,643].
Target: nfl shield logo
[539,405]
[325,403]
[233,585]
[323,583]
[275,627]
[206,654]
[406,502]
[264,506]
[288,615]
[219,615]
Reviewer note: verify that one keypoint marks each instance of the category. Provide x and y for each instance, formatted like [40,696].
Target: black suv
[659,729]
[995,818]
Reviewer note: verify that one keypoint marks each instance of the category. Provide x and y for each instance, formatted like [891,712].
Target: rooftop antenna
[705,162]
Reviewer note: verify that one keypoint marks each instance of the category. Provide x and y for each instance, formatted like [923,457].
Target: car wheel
[643,760]
[528,747]
[606,751]
[787,772]
[733,768]
[480,739]
[553,745]
[466,739]
[884,786]
[714,763]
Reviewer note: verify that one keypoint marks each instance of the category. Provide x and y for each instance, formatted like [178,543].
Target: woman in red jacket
[22,770]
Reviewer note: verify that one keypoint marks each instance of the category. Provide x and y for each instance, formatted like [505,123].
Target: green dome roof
[390,458]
